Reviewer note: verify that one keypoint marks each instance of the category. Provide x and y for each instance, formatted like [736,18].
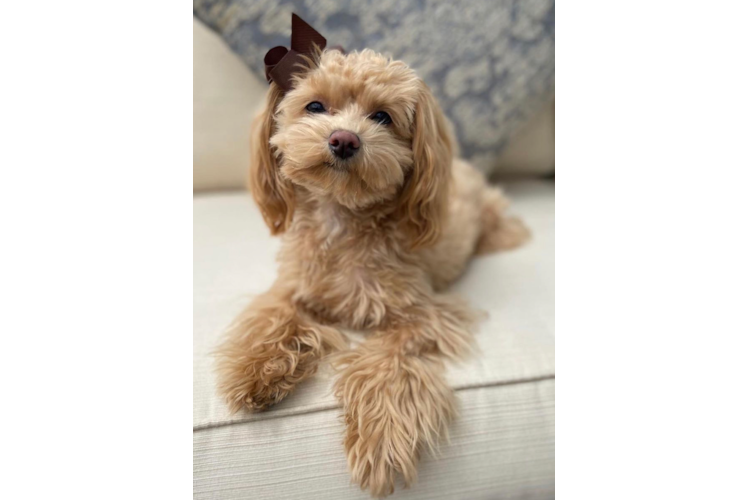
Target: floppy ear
[424,198]
[274,194]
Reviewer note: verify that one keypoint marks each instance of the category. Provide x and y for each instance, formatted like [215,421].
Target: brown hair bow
[281,63]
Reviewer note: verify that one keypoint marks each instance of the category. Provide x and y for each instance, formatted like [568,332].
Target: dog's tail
[499,231]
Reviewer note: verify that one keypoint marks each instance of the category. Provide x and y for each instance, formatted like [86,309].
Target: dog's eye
[315,107]
[381,117]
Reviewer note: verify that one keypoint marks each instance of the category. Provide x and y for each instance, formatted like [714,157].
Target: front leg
[269,349]
[395,399]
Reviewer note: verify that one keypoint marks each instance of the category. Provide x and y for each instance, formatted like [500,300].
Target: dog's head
[359,130]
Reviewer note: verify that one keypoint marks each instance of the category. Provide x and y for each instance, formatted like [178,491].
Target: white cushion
[225,97]
[506,429]
[501,446]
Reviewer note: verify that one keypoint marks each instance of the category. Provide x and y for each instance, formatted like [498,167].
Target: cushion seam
[270,415]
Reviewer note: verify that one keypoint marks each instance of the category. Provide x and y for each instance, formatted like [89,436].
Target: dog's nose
[344,144]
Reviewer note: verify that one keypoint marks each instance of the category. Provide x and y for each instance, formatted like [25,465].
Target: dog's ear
[273,193]
[424,198]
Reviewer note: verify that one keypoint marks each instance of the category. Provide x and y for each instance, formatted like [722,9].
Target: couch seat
[502,444]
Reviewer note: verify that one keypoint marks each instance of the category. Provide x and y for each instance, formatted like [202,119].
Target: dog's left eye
[381,117]
[315,107]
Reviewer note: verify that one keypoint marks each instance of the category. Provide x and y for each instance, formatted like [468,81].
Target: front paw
[377,451]
[395,405]
[264,359]
[259,380]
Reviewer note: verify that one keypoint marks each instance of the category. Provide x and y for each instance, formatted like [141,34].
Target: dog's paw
[259,380]
[262,379]
[395,406]
[376,459]
[264,358]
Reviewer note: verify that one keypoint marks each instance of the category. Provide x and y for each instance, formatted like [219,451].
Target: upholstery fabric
[234,259]
[501,447]
[532,149]
[225,97]
[502,444]
[490,62]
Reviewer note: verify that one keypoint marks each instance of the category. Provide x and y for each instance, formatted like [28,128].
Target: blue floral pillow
[489,62]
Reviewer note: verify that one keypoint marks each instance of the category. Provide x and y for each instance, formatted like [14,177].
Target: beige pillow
[532,149]
[226,96]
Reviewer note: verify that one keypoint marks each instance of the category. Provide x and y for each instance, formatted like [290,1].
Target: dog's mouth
[340,167]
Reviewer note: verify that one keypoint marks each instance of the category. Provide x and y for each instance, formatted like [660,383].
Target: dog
[354,166]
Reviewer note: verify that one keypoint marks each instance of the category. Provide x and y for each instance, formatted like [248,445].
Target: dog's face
[345,130]
[359,130]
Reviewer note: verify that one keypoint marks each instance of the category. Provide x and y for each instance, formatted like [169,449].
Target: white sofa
[502,444]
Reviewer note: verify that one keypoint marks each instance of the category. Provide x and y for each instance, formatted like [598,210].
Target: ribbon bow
[281,63]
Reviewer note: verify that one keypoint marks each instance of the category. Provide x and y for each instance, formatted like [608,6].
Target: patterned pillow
[489,62]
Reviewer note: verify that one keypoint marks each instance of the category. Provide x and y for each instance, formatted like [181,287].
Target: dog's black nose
[344,144]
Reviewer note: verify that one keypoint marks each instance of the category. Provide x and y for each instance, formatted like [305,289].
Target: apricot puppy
[354,166]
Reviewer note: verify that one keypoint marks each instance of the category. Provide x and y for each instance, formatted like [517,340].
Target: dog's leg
[395,399]
[498,230]
[271,347]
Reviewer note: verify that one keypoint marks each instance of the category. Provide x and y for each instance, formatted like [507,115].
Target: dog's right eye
[315,107]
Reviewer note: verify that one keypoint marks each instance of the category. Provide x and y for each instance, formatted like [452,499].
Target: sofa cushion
[225,97]
[501,446]
[502,443]
[234,259]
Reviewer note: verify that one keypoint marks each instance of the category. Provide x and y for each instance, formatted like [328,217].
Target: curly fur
[368,244]
[269,349]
